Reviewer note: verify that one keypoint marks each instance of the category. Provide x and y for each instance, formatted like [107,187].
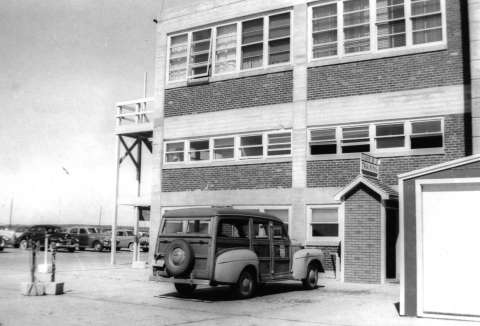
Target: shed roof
[440,167]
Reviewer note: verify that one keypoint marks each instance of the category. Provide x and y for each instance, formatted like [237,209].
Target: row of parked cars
[70,237]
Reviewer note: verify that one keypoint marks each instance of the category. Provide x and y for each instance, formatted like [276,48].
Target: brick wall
[339,172]
[249,176]
[362,261]
[329,262]
[274,88]
[431,69]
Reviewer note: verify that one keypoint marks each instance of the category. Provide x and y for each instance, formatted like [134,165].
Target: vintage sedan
[215,246]
[37,233]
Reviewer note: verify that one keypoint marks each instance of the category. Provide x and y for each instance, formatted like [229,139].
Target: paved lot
[99,294]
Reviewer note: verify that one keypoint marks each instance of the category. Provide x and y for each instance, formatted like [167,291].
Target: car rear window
[92,230]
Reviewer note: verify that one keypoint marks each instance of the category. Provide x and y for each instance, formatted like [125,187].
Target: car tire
[23,244]
[310,282]
[71,249]
[179,258]
[185,289]
[130,246]
[98,246]
[246,285]
[81,248]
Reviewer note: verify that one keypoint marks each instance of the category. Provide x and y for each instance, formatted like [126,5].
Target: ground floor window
[323,223]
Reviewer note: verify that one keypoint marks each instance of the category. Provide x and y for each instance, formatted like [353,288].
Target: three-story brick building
[268,105]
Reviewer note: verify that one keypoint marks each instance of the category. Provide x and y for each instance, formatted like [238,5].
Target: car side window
[120,234]
[233,228]
[129,233]
[73,231]
[260,229]
[83,231]
[278,231]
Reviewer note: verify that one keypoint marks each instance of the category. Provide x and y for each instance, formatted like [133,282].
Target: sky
[63,65]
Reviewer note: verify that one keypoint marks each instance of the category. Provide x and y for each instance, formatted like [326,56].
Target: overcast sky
[63,64]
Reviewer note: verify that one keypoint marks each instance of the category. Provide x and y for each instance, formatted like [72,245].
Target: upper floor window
[377,137]
[344,27]
[242,45]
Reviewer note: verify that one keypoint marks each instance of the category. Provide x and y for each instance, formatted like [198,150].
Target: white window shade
[324,30]
[178,57]
[226,49]
[356,22]
[279,144]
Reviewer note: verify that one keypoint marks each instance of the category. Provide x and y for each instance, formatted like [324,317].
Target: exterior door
[261,246]
[449,267]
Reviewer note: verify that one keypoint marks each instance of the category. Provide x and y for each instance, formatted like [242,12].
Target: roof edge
[439,167]
[358,180]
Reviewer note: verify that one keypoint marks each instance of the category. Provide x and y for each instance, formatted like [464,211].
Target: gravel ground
[99,294]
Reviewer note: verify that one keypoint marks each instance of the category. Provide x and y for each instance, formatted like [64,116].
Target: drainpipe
[474,28]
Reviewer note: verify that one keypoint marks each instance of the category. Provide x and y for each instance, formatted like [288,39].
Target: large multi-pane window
[234,147]
[344,27]
[377,137]
[242,45]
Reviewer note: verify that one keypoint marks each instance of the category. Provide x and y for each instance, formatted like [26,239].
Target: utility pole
[100,216]
[10,220]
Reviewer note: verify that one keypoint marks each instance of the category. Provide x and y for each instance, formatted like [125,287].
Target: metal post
[11,213]
[54,253]
[113,244]
[137,208]
[33,265]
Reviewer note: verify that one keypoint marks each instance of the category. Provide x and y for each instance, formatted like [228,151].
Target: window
[242,45]
[346,27]
[324,30]
[198,226]
[280,213]
[323,141]
[355,139]
[279,38]
[74,231]
[279,231]
[279,144]
[233,228]
[223,148]
[356,25]
[172,227]
[390,136]
[260,229]
[324,222]
[199,65]
[92,230]
[252,43]
[426,134]
[391,24]
[83,231]
[199,150]
[226,49]
[174,152]
[426,21]
[178,57]
[251,146]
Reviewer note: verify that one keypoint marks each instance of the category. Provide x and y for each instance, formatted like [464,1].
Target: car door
[83,237]
[262,247]
[121,239]
[281,250]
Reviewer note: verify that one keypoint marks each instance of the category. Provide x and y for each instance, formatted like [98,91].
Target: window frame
[340,221]
[188,150]
[373,23]
[267,143]
[212,147]
[442,132]
[391,149]
[238,58]
[165,151]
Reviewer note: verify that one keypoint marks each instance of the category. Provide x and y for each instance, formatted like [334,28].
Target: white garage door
[451,250]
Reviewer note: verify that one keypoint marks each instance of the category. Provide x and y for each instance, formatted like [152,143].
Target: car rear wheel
[23,245]
[310,282]
[130,246]
[246,285]
[185,289]
[98,246]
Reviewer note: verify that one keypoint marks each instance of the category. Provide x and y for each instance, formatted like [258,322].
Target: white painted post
[113,244]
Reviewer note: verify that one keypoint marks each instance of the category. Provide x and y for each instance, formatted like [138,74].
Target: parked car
[2,243]
[56,234]
[90,237]
[144,241]
[215,246]
[12,234]
[125,238]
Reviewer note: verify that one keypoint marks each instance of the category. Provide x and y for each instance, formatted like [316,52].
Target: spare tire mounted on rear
[179,258]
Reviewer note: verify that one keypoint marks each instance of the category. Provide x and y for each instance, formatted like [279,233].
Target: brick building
[269,105]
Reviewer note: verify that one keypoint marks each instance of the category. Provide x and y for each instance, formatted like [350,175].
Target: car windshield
[187,226]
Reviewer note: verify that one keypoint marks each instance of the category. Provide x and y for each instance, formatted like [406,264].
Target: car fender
[230,264]
[301,260]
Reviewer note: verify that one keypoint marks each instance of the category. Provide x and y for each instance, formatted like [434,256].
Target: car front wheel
[23,245]
[246,285]
[98,246]
[185,289]
[310,282]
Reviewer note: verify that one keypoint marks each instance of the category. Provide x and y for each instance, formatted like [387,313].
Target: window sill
[167,166]
[322,243]
[234,75]
[352,156]
[378,55]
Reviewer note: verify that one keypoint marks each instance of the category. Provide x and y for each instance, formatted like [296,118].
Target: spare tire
[179,258]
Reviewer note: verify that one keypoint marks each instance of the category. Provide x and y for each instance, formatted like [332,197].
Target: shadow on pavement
[225,293]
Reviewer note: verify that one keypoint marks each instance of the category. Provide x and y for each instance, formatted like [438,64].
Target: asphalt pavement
[100,294]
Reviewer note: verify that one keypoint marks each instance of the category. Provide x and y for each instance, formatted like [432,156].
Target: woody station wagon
[224,246]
